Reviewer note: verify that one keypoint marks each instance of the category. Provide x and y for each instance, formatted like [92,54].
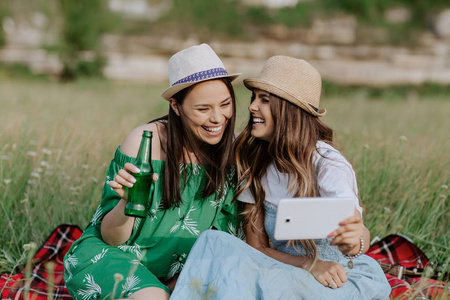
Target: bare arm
[116,227]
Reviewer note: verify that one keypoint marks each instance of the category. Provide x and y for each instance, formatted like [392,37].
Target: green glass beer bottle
[138,195]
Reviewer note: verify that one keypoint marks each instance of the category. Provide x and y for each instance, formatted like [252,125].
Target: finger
[352,227]
[125,178]
[117,188]
[355,218]
[131,168]
[342,274]
[350,238]
[155,177]
[325,282]
[114,184]
[338,281]
[346,237]
[332,284]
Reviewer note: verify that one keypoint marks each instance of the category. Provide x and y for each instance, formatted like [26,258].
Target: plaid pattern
[399,250]
[393,249]
[42,282]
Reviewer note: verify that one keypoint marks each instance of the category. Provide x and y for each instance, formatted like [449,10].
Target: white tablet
[310,218]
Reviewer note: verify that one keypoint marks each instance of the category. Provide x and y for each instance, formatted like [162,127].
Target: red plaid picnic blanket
[403,263]
[393,250]
[42,282]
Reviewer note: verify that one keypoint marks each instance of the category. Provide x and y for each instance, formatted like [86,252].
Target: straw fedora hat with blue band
[193,65]
[292,79]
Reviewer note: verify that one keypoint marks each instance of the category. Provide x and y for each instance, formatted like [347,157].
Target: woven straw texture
[292,79]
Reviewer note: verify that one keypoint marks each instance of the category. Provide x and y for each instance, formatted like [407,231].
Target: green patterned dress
[159,243]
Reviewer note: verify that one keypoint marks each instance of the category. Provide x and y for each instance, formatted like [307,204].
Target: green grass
[56,141]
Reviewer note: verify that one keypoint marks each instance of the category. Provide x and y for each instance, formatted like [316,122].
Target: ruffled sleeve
[109,197]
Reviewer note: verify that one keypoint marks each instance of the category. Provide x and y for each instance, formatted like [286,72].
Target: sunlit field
[56,141]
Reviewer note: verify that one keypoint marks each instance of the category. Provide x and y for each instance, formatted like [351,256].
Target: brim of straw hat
[168,93]
[267,86]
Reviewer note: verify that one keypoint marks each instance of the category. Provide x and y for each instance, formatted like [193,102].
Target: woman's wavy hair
[213,158]
[292,150]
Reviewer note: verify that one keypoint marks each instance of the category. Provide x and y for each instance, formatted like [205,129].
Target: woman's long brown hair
[291,149]
[214,158]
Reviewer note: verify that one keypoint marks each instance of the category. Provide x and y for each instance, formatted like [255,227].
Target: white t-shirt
[336,178]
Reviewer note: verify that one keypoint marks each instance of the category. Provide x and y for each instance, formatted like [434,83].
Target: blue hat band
[203,75]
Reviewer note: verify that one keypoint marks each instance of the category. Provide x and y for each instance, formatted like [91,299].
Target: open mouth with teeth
[258,121]
[213,130]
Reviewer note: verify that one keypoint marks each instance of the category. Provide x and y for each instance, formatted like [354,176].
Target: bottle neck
[144,157]
[144,153]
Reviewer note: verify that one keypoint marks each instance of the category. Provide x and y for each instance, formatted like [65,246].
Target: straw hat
[193,65]
[292,79]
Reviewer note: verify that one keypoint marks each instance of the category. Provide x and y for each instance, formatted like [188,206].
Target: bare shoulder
[131,143]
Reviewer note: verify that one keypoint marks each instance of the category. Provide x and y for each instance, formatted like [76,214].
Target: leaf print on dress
[230,184]
[237,232]
[176,266]
[195,169]
[93,290]
[99,256]
[185,223]
[97,216]
[182,168]
[136,262]
[135,249]
[153,211]
[230,176]
[217,203]
[137,222]
[130,285]
[70,262]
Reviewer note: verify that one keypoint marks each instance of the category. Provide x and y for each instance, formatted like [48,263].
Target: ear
[173,103]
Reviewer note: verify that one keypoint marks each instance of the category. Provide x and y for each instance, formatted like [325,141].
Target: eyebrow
[263,95]
[205,105]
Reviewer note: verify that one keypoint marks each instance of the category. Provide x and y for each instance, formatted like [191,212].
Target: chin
[212,142]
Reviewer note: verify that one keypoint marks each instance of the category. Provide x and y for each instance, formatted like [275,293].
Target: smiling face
[261,116]
[206,110]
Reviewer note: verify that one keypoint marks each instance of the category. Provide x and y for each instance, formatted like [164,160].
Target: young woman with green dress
[194,180]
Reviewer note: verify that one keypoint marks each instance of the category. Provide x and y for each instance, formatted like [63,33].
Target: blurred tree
[207,18]
[84,21]
[3,14]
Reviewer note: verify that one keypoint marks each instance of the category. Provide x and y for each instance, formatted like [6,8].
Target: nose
[216,116]
[253,106]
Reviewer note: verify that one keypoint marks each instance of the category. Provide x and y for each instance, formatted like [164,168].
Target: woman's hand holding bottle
[125,178]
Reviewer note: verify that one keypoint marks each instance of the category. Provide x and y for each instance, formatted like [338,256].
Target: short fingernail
[133,180]
[155,177]
[340,223]
[137,170]
[331,234]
